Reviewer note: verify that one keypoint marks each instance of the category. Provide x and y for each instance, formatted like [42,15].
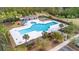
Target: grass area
[74,21]
[20,48]
[12,26]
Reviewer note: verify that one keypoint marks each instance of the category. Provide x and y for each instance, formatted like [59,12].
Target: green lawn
[74,21]
[20,48]
[12,26]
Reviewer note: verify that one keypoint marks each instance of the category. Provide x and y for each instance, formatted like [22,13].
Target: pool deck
[18,38]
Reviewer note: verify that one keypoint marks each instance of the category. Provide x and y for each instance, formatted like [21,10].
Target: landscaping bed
[52,45]
[46,42]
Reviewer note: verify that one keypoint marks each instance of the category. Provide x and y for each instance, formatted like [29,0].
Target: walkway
[64,43]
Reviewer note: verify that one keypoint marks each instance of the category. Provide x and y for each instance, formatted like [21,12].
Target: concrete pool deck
[18,38]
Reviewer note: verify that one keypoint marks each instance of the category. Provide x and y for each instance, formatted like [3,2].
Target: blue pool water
[38,27]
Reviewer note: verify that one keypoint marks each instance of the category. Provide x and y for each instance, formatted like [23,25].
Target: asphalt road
[66,48]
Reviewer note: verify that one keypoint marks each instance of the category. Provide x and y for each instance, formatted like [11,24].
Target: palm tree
[70,28]
[61,25]
[26,36]
[44,35]
[58,37]
[39,43]
[42,44]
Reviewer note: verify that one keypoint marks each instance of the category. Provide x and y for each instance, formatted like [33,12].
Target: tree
[26,36]
[58,37]
[70,28]
[3,30]
[44,34]
[38,44]
[76,41]
[1,42]
[42,44]
[3,37]
[61,25]
[65,12]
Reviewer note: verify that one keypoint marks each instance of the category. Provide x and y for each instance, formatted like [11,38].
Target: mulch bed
[53,44]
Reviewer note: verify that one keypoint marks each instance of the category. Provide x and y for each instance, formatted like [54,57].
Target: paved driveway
[66,48]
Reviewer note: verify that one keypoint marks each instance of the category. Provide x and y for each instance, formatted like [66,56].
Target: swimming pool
[38,27]
[34,29]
